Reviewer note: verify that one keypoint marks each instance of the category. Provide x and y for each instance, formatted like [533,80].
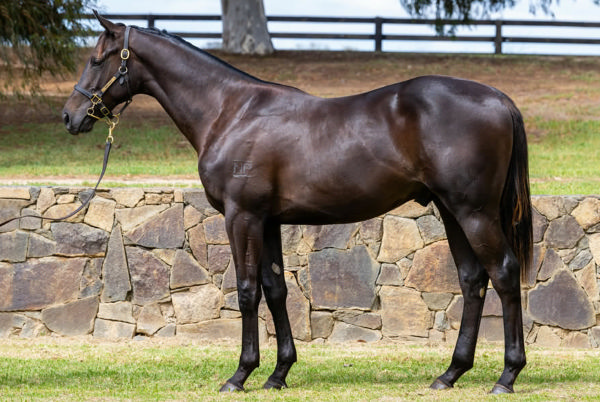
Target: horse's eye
[96,62]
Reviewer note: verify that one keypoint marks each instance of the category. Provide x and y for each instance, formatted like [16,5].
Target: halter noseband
[121,76]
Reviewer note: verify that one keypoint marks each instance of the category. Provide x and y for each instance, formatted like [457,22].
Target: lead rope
[112,124]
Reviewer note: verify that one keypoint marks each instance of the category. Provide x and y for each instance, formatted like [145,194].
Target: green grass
[564,160]
[141,371]
[38,150]
[567,159]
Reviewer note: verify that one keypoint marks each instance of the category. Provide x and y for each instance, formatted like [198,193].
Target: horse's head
[105,81]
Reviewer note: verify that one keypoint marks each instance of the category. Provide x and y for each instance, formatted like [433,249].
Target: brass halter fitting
[112,124]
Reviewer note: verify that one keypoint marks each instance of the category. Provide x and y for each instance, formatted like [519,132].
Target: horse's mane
[180,41]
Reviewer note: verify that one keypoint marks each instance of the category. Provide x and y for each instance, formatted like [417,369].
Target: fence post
[498,38]
[151,21]
[378,33]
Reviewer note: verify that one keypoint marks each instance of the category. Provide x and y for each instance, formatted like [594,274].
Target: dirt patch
[554,87]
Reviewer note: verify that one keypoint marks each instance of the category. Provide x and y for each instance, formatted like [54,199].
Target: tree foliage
[465,11]
[38,36]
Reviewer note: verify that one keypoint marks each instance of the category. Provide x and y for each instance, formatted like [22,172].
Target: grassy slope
[558,97]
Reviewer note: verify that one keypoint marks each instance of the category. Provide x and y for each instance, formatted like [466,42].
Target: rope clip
[112,124]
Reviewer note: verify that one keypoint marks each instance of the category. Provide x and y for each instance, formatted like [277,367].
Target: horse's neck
[191,86]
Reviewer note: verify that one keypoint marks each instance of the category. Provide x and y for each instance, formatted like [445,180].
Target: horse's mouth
[86,125]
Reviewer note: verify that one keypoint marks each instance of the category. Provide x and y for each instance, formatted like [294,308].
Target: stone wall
[156,262]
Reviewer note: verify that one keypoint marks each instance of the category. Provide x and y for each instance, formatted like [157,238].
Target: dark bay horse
[270,154]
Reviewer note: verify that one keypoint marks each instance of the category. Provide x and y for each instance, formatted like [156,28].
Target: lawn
[79,370]
[567,159]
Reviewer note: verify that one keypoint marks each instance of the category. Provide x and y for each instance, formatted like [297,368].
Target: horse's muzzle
[75,128]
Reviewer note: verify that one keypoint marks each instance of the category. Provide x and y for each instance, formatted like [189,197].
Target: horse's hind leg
[273,283]
[245,232]
[473,282]
[486,237]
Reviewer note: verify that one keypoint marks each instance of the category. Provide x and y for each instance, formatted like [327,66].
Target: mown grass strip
[78,371]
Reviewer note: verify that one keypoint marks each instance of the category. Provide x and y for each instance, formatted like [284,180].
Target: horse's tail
[515,208]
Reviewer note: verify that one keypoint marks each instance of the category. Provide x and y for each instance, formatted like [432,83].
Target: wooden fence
[378,35]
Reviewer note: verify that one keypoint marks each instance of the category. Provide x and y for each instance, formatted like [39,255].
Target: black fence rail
[378,35]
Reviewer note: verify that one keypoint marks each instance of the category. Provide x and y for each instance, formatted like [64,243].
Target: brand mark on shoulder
[242,169]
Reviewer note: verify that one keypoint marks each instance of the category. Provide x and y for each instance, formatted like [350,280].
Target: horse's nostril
[66,118]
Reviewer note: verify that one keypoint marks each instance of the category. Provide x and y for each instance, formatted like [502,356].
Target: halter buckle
[105,111]
[95,99]
[125,54]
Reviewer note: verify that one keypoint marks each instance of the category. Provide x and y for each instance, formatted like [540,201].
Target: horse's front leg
[273,283]
[245,232]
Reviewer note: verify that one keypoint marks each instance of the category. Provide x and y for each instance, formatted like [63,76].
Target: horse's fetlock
[249,363]
[462,364]
[516,361]
[287,358]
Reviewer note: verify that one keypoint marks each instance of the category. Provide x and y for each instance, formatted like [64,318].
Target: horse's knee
[275,288]
[248,296]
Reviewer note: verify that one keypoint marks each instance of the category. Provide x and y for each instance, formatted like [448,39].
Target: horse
[271,154]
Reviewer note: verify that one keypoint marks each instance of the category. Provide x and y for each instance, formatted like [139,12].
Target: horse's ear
[108,25]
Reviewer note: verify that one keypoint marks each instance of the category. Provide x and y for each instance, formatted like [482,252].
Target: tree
[38,36]
[245,27]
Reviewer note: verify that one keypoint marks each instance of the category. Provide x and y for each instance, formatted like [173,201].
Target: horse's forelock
[100,45]
[104,45]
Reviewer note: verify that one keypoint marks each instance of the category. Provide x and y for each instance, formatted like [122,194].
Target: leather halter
[121,76]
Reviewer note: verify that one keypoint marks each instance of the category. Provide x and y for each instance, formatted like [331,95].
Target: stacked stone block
[156,263]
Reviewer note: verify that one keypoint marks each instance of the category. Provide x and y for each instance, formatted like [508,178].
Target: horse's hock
[156,262]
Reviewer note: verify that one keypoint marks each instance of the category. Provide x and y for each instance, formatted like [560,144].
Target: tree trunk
[245,27]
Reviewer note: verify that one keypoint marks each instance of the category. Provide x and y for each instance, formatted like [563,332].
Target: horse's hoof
[501,389]
[270,384]
[229,387]
[439,385]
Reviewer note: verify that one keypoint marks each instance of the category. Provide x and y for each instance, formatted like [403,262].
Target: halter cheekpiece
[122,76]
